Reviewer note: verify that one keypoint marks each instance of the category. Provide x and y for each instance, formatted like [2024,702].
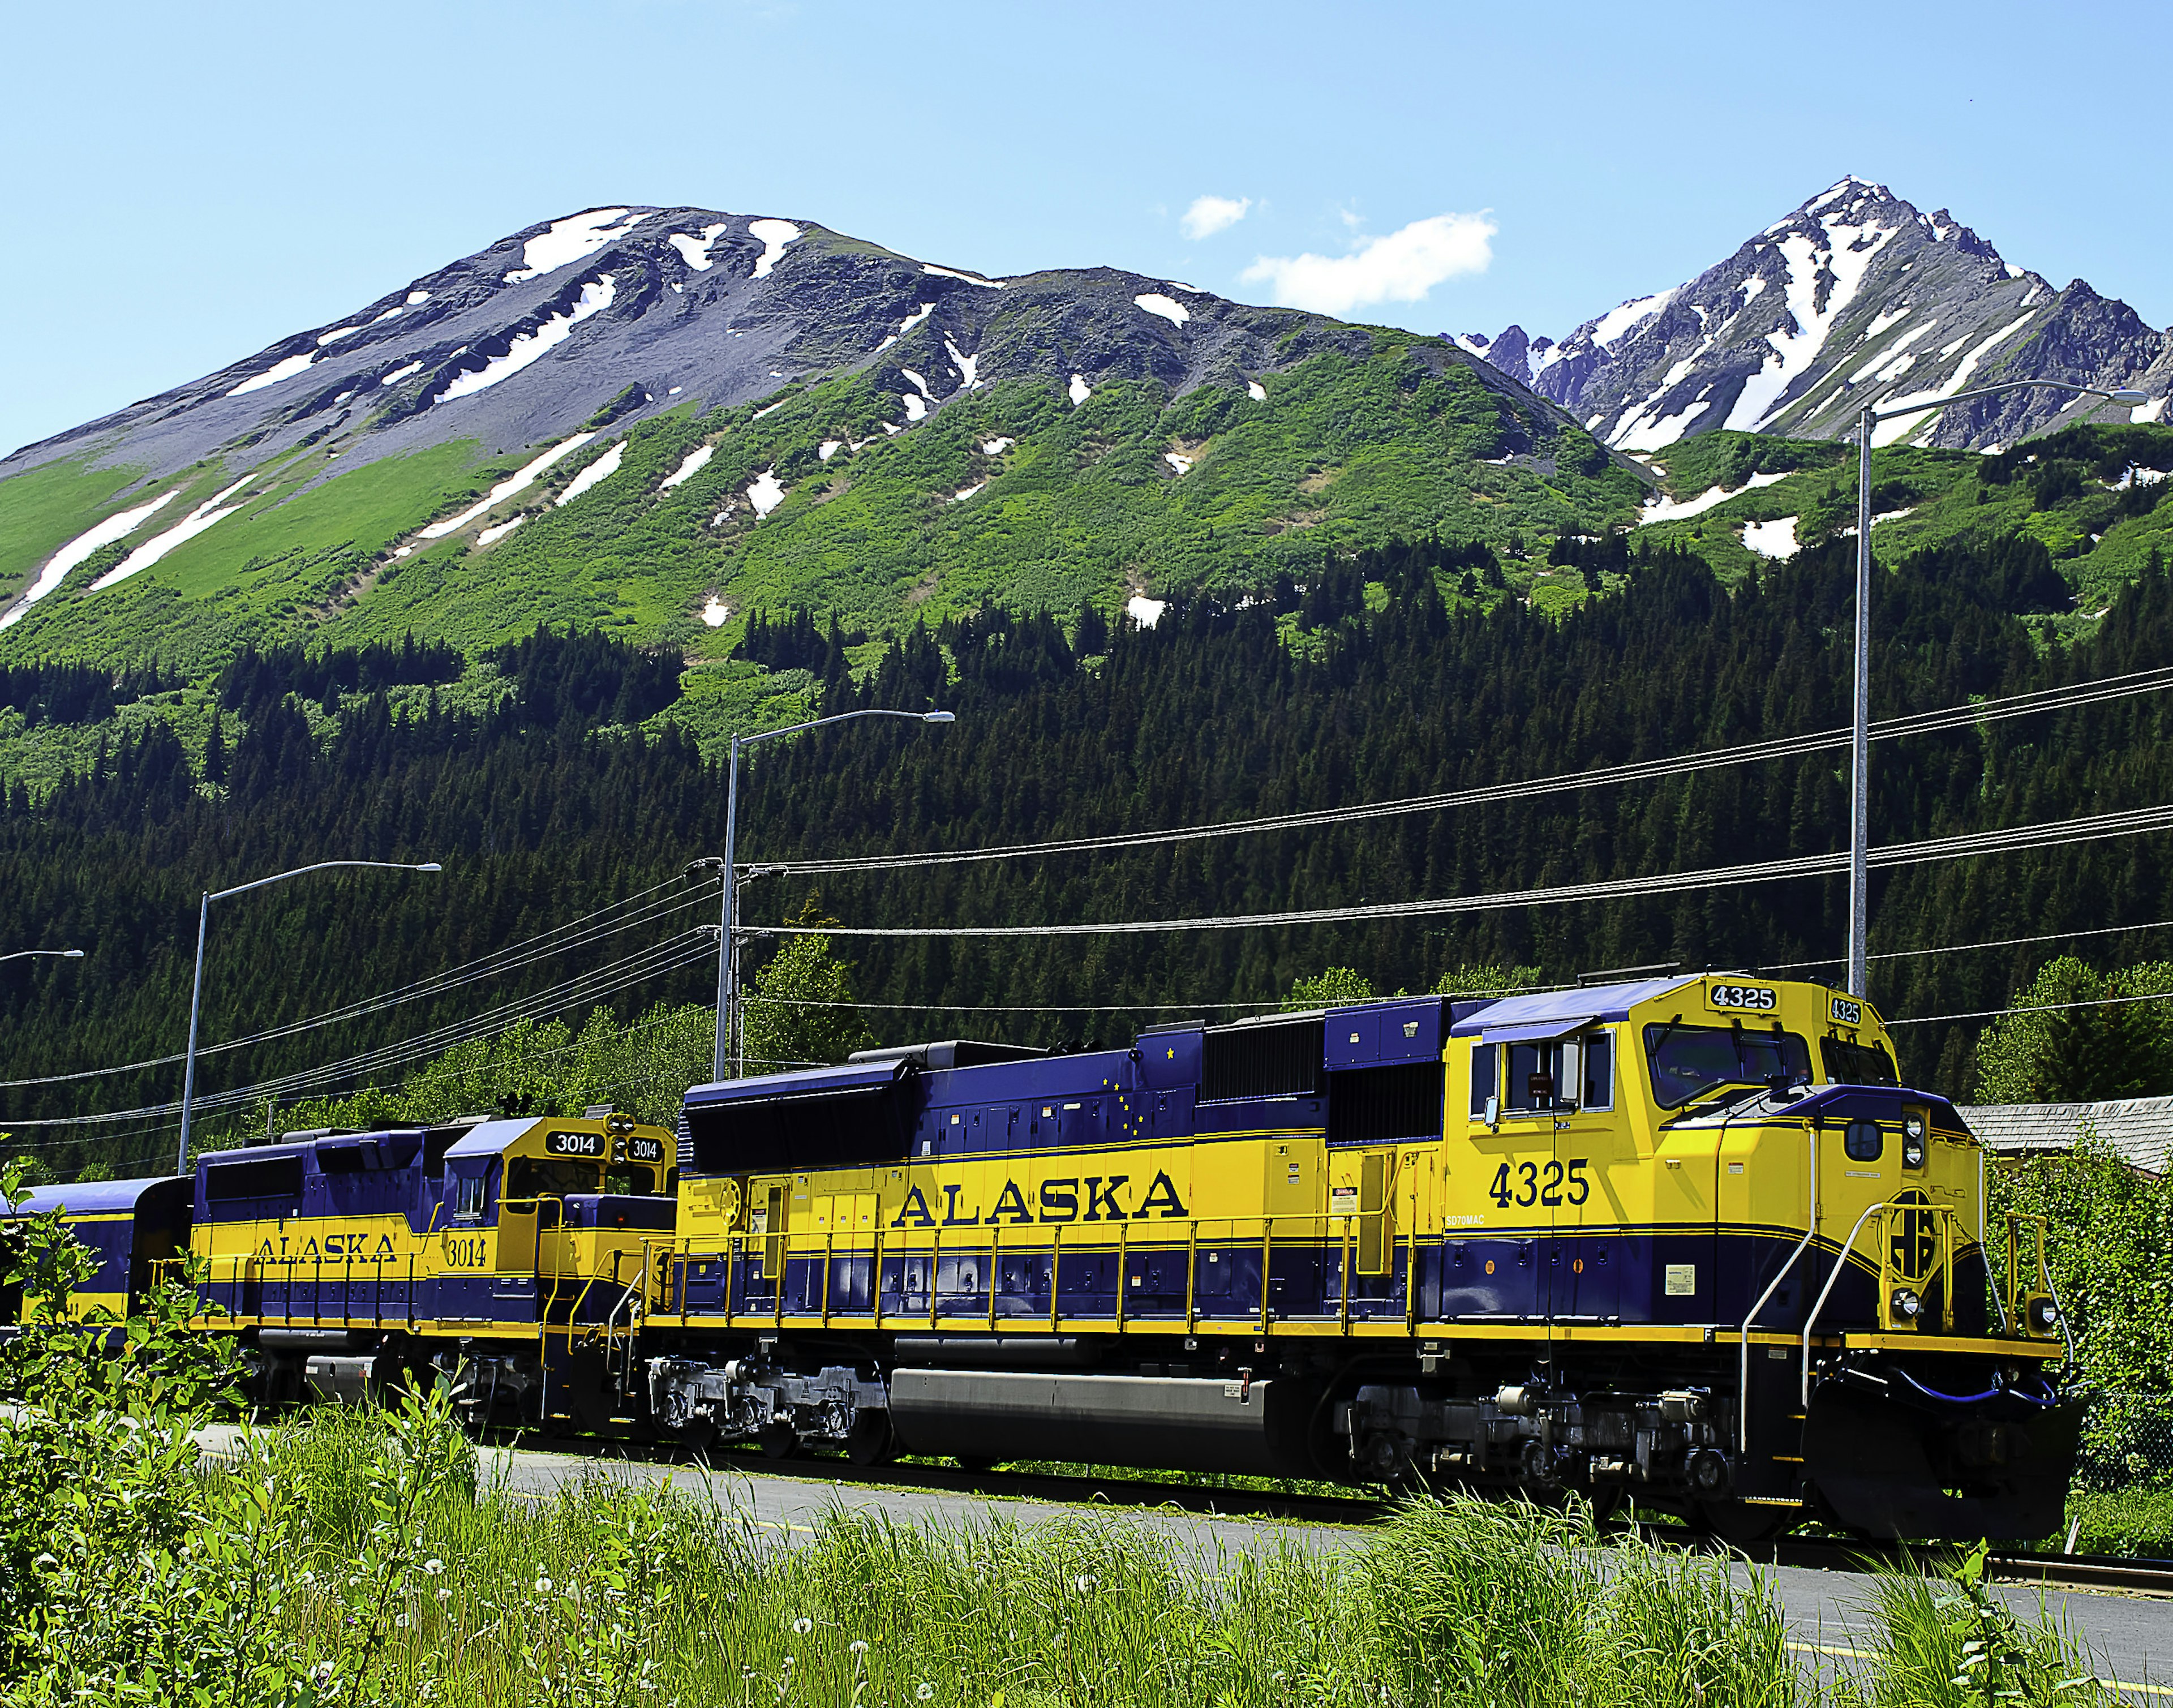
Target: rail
[747,1257]
[2017,1295]
[1750,1316]
[1943,1224]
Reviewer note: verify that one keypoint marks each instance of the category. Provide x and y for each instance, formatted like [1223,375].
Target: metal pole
[1859,785]
[727,979]
[195,1011]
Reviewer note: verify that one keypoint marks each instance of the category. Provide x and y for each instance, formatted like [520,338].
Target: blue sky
[185,184]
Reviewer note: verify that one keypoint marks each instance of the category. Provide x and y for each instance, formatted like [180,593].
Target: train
[1684,1241]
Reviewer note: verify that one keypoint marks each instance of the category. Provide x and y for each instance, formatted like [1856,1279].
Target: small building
[2137,1129]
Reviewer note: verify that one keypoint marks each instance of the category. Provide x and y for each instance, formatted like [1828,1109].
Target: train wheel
[778,1441]
[1739,1526]
[870,1443]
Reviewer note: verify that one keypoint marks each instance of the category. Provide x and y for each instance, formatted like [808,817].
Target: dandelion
[800,1627]
[444,1593]
[402,1622]
[858,1645]
[433,1566]
[923,1692]
[542,1586]
[1085,1586]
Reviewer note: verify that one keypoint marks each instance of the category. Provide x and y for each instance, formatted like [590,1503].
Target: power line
[2036,701]
[2039,1008]
[2058,834]
[1959,948]
[590,986]
[492,966]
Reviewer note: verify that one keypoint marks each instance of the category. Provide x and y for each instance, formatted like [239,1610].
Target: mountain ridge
[1833,305]
[777,366]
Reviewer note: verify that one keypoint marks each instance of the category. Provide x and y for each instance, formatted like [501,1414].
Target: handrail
[2044,1273]
[1841,1263]
[1810,1232]
[737,1247]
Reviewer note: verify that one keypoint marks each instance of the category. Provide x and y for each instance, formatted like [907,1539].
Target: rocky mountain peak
[1854,297]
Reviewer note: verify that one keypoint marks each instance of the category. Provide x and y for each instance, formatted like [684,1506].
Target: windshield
[1687,1060]
[1857,1065]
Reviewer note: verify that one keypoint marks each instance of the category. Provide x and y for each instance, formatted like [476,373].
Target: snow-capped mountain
[636,311]
[1854,298]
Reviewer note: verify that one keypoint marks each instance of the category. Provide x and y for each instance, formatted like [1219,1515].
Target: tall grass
[620,1590]
[1948,1641]
[396,1575]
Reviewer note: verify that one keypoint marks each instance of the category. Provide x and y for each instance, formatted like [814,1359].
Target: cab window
[1857,1065]
[1486,1077]
[1532,1065]
[1688,1059]
[631,1180]
[530,1177]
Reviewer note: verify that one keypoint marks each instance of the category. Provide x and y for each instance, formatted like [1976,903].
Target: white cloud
[1401,267]
[1212,214]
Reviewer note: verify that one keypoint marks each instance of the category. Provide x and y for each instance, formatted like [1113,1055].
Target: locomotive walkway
[2130,1637]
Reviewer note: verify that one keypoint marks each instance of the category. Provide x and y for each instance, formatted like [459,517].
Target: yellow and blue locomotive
[503,1258]
[1687,1240]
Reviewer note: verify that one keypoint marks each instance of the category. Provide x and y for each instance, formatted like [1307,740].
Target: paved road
[2130,1636]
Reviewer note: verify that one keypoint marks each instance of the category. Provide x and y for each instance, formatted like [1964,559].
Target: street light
[196,994]
[727,971]
[1859,844]
[64,954]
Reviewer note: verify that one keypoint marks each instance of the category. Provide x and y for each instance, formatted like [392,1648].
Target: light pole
[1859,787]
[64,954]
[727,971]
[196,993]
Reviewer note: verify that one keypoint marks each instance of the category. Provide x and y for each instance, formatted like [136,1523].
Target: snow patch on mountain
[285,369]
[695,250]
[594,476]
[691,465]
[1674,509]
[520,479]
[1833,272]
[571,239]
[1774,539]
[491,535]
[533,347]
[767,493]
[775,233]
[115,527]
[1171,309]
[986,284]
[1079,390]
[969,367]
[209,514]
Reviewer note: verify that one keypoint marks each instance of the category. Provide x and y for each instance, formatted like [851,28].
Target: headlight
[1915,1136]
[1906,1304]
[2044,1316]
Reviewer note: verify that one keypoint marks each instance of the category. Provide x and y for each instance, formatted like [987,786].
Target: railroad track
[2084,1571]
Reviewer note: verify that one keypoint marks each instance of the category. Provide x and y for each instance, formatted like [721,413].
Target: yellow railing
[1928,1236]
[671,1259]
[2028,1284]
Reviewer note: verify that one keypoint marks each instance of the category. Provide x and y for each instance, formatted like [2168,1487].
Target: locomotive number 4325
[1550,1183]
